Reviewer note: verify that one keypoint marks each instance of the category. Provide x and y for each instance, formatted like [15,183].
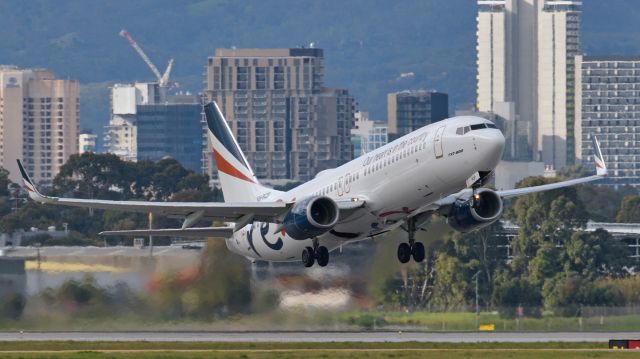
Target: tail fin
[601,166]
[238,182]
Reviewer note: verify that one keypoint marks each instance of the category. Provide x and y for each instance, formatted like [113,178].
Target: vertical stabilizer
[238,182]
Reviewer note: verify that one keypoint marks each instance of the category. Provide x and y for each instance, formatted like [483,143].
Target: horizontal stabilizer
[177,232]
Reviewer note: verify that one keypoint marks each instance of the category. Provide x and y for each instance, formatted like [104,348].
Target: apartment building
[607,103]
[525,62]
[39,121]
[289,125]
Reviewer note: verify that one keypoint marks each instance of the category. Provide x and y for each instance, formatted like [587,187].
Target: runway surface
[292,337]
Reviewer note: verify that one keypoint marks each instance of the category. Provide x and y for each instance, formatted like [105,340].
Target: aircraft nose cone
[491,144]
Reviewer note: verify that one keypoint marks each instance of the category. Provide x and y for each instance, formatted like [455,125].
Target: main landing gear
[412,249]
[315,253]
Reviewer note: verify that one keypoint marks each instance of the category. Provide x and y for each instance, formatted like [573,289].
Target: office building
[289,125]
[121,134]
[171,129]
[525,62]
[607,104]
[87,142]
[367,135]
[407,111]
[39,122]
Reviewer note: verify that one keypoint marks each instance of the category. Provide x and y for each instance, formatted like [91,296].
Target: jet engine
[311,217]
[484,208]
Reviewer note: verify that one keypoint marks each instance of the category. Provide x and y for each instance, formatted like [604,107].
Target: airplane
[440,169]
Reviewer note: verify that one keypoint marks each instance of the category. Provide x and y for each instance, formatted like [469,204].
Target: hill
[367,43]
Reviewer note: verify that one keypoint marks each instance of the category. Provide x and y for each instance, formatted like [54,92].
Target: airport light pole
[477,306]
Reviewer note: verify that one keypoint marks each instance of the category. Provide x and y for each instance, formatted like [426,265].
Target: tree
[92,175]
[600,202]
[450,286]
[567,292]
[478,251]
[544,216]
[511,291]
[629,210]
[31,215]
[596,254]
[4,182]
[547,263]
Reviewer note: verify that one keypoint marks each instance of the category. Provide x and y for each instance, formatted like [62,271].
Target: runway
[320,337]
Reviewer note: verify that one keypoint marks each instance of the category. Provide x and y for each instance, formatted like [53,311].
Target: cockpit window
[477,126]
[462,130]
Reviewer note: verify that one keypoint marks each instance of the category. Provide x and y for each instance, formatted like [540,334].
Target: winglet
[30,187]
[601,166]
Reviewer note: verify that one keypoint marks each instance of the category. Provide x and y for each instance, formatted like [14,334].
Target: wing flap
[177,232]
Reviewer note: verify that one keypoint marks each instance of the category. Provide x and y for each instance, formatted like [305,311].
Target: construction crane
[163,79]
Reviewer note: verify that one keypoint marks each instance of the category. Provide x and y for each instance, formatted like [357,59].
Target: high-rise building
[39,121]
[407,111]
[121,134]
[558,45]
[525,51]
[87,142]
[287,123]
[607,103]
[171,129]
[367,135]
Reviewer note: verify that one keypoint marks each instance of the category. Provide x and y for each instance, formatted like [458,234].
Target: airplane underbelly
[258,241]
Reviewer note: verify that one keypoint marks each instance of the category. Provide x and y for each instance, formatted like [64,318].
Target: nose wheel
[317,253]
[412,249]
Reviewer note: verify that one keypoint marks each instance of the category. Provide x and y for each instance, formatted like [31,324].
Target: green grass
[69,349]
[456,321]
[325,320]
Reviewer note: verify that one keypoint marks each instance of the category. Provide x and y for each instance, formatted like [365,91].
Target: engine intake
[311,217]
[478,212]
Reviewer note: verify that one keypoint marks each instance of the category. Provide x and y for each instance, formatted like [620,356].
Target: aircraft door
[347,183]
[340,186]
[437,142]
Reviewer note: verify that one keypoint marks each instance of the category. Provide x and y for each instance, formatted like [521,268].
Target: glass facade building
[173,130]
[407,111]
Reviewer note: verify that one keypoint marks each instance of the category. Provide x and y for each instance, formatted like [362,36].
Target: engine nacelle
[311,217]
[478,212]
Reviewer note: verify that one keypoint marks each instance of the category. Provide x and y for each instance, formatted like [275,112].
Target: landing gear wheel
[417,251]
[404,252]
[308,257]
[322,256]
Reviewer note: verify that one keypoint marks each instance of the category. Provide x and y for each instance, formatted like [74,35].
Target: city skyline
[550,153]
[419,42]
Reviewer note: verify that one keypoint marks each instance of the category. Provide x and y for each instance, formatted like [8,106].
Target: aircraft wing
[443,205]
[601,172]
[177,232]
[235,212]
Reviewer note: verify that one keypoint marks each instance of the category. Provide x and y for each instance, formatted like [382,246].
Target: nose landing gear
[317,253]
[412,249]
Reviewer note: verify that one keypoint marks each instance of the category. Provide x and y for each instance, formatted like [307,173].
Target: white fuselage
[394,181]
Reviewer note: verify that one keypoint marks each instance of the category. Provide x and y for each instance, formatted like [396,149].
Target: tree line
[106,176]
[555,266]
